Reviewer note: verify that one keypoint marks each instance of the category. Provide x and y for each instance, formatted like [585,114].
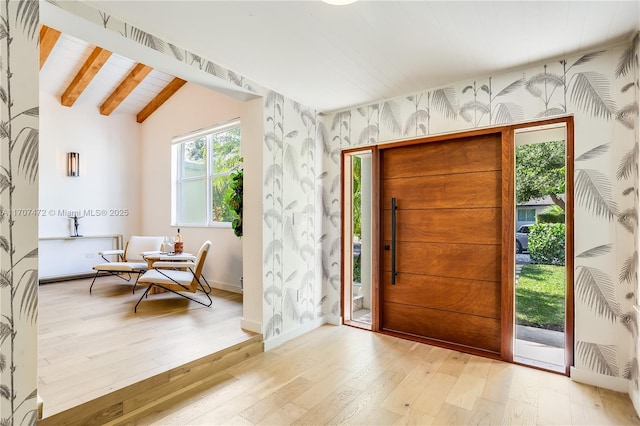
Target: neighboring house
[527,212]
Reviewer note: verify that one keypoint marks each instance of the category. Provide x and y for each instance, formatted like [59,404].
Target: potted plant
[233,198]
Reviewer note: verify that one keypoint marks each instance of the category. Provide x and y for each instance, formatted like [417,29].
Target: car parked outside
[522,238]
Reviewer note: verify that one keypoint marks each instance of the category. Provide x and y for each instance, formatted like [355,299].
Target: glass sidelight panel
[541,247]
[357,238]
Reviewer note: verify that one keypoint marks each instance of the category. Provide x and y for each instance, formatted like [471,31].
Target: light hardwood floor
[92,344]
[343,375]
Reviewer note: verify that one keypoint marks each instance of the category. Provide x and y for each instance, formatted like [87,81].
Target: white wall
[191,108]
[108,183]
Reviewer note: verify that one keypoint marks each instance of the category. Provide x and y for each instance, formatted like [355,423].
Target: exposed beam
[135,77]
[48,39]
[161,98]
[89,69]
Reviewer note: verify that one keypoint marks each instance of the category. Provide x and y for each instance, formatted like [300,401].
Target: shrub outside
[547,243]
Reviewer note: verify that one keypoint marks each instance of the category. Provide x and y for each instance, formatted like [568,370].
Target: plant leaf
[470,106]
[4,243]
[368,135]
[590,91]
[290,162]
[5,331]
[274,326]
[389,116]
[543,79]
[274,248]
[629,219]
[147,39]
[4,278]
[588,57]
[177,52]
[628,59]
[593,191]
[629,272]
[628,164]
[28,160]
[411,125]
[29,13]
[594,152]
[507,112]
[32,112]
[5,392]
[628,320]
[599,358]
[444,102]
[627,115]
[596,289]
[596,251]
[631,370]
[510,88]
[29,303]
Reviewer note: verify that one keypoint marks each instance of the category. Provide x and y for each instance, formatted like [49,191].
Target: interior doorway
[542,218]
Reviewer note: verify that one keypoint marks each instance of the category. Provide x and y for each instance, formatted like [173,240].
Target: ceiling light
[339,2]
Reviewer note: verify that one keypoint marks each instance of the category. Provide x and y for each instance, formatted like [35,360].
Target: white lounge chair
[172,276]
[130,260]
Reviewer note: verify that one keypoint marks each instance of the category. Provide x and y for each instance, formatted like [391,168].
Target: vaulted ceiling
[335,57]
[80,72]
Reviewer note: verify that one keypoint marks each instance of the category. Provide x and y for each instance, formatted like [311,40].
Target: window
[202,164]
[526,215]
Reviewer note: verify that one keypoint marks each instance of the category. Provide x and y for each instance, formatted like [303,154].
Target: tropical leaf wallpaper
[292,180]
[19,23]
[601,90]
[156,43]
[301,189]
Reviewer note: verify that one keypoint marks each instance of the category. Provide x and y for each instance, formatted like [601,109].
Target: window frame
[178,145]
[526,212]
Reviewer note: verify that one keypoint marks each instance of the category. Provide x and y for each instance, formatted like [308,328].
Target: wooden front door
[448,199]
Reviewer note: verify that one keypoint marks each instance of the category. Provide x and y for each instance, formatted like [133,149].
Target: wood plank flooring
[92,344]
[344,375]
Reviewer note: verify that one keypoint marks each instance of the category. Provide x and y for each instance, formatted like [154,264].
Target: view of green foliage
[357,195]
[547,243]
[540,171]
[234,199]
[552,214]
[540,297]
[225,158]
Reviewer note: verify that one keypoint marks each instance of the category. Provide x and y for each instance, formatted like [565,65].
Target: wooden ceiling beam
[160,99]
[89,69]
[135,77]
[48,39]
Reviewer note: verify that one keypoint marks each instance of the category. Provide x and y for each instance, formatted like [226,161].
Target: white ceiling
[67,58]
[334,57]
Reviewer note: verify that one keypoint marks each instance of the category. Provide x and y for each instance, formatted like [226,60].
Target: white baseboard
[227,287]
[249,325]
[617,384]
[274,342]
[334,319]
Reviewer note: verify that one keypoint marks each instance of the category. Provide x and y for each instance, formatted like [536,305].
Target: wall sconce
[73,164]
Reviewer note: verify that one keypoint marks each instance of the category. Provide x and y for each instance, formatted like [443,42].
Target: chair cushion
[153,276]
[121,266]
[138,244]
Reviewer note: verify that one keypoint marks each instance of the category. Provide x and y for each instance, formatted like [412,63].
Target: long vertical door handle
[394,208]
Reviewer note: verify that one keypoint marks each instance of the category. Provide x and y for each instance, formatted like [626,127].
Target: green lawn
[540,297]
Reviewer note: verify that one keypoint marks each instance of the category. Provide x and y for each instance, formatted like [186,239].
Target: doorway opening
[358,238]
[542,219]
